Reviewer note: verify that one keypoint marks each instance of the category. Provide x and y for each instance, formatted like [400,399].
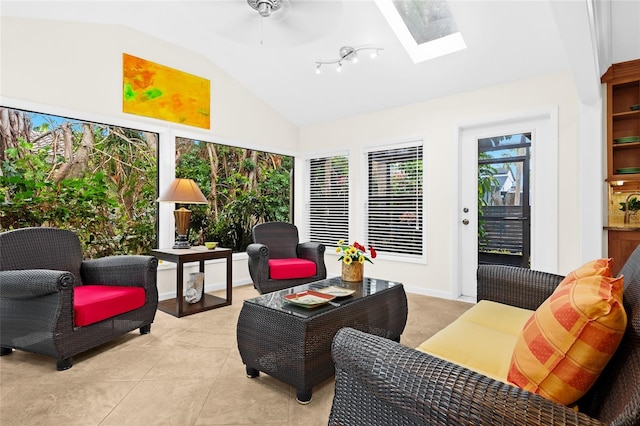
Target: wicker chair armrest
[311,251]
[30,283]
[515,286]
[258,251]
[258,255]
[380,382]
[125,270]
[315,253]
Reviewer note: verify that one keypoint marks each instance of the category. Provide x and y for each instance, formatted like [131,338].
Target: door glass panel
[503,200]
[507,188]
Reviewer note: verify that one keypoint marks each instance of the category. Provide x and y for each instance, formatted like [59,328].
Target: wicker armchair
[39,268]
[379,382]
[279,240]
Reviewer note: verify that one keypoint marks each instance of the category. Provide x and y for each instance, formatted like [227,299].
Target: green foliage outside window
[244,187]
[96,180]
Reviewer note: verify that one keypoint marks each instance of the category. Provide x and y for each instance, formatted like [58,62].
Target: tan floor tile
[233,366]
[217,324]
[168,402]
[165,339]
[206,339]
[61,403]
[108,365]
[246,401]
[25,367]
[188,363]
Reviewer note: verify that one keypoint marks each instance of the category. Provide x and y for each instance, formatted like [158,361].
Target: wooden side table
[178,307]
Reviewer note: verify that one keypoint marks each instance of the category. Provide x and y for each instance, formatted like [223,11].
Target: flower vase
[352,272]
[194,287]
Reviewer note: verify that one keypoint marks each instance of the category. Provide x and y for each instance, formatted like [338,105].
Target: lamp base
[182,216]
[182,242]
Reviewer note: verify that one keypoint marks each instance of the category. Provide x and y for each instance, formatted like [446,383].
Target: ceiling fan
[265,7]
[281,23]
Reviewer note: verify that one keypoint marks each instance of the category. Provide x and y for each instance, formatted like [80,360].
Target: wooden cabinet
[621,245]
[623,157]
[623,121]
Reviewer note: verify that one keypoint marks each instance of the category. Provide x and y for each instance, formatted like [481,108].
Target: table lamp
[182,191]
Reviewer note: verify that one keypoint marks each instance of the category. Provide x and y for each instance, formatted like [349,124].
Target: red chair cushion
[286,269]
[93,303]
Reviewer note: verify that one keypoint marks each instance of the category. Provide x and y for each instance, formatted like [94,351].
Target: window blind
[328,199]
[395,199]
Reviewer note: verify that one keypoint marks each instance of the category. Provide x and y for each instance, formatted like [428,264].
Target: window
[244,187]
[395,199]
[328,199]
[98,180]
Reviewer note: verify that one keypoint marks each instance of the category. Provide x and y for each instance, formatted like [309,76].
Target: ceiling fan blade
[296,22]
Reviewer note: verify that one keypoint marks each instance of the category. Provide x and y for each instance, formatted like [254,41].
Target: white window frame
[382,253]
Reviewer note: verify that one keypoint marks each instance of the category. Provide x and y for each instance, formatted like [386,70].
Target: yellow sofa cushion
[482,339]
[570,338]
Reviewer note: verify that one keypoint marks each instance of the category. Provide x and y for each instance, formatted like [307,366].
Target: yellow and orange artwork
[157,91]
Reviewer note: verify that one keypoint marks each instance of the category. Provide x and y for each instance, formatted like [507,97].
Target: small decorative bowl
[210,245]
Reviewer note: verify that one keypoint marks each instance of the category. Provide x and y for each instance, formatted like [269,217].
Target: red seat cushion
[286,269]
[93,303]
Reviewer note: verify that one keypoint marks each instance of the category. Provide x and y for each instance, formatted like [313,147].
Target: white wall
[75,70]
[79,67]
[435,122]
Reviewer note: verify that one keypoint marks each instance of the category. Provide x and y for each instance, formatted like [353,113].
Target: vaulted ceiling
[275,57]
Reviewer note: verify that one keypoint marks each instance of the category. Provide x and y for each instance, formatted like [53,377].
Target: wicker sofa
[380,382]
[40,268]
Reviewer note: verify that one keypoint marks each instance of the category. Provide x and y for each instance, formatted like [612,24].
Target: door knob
[465,221]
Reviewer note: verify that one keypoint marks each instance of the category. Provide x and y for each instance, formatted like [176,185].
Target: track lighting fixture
[347,53]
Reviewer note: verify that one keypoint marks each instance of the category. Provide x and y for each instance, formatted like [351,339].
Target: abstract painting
[157,91]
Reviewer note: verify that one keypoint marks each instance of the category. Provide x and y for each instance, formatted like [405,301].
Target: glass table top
[364,288]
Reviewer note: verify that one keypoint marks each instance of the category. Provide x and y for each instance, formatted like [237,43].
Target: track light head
[347,53]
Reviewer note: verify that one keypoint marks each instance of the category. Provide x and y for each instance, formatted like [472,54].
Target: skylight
[426,28]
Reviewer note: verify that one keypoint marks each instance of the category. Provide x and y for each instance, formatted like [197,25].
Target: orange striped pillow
[569,339]
[600,267]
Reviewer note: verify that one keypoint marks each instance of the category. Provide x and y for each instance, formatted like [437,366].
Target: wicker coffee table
[293,343]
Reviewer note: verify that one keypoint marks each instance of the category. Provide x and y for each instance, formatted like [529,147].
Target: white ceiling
[506,41]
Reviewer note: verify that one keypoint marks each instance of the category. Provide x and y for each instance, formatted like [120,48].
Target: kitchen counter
[630,227]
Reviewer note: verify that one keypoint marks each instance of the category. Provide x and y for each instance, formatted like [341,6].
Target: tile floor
[186,372]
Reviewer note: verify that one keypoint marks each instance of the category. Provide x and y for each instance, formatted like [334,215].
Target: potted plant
[630,208]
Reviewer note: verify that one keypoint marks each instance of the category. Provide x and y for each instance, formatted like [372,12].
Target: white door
[544,192]
[468,213]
